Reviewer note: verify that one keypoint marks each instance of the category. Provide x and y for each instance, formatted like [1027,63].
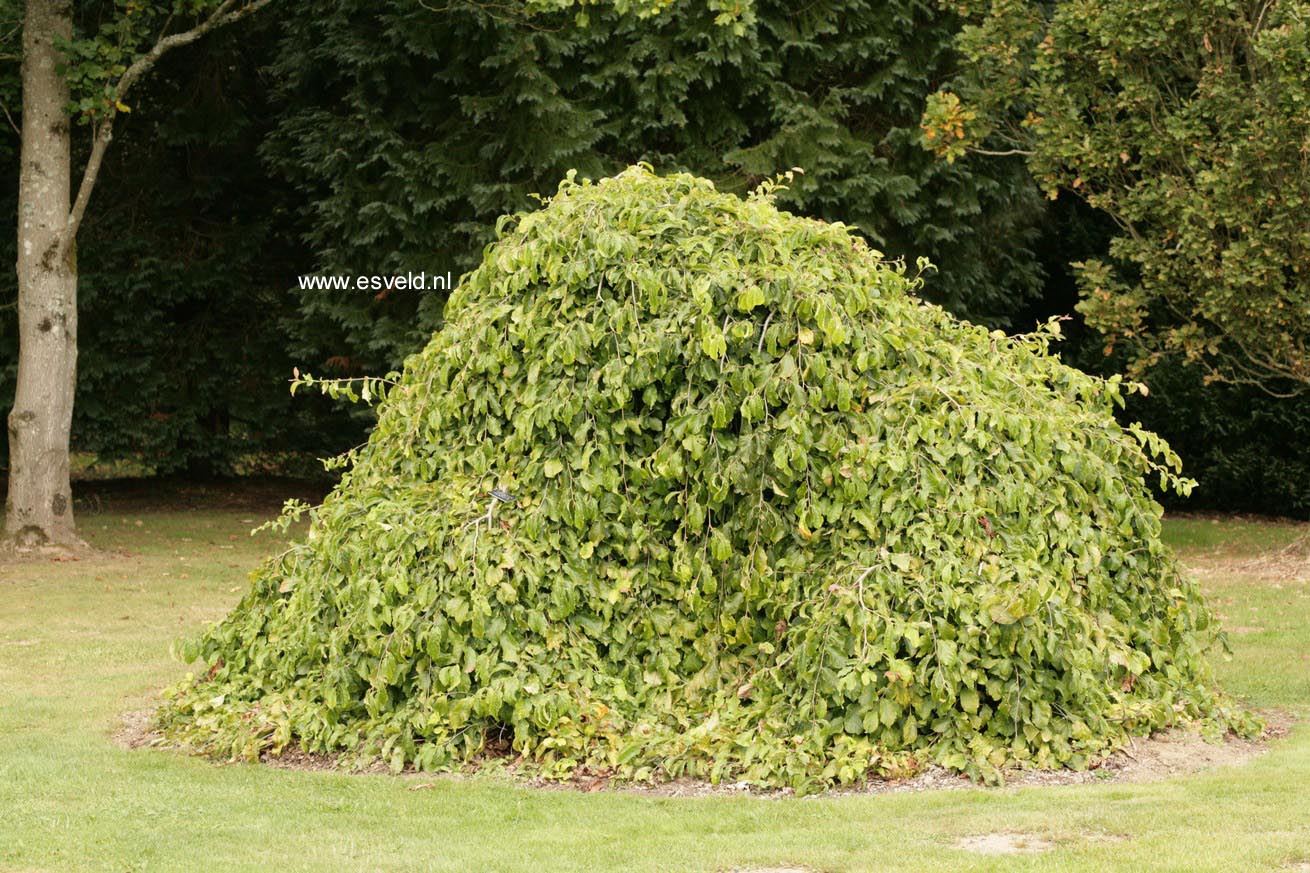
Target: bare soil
[1292,562]
[12,552]
[135,731]
[1160,756]
[1003,844]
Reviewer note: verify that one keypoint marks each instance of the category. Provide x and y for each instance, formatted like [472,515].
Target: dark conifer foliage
[408,132]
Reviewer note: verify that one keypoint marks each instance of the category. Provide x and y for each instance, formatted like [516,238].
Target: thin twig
[17,130]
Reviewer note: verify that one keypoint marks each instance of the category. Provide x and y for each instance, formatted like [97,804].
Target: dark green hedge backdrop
[356,138]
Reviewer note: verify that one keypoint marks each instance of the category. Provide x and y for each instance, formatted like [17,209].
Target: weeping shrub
[689,486]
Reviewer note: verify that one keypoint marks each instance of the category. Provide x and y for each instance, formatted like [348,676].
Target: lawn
[83,642]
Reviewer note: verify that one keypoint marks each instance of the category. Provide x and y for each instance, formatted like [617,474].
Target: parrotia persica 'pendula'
[769,518]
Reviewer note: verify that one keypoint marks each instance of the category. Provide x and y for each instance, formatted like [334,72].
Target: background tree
[91,76]
[1184,121]
[189,237]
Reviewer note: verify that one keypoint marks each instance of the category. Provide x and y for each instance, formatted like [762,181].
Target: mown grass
[83,642]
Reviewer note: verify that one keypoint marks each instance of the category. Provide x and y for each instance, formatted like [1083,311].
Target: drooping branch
[227,12]
[1002,153]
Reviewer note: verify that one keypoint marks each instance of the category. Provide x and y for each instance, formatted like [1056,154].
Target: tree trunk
[39,510]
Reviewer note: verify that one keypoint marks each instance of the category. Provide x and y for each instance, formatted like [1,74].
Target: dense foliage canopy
[690,486]
[1187,122]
